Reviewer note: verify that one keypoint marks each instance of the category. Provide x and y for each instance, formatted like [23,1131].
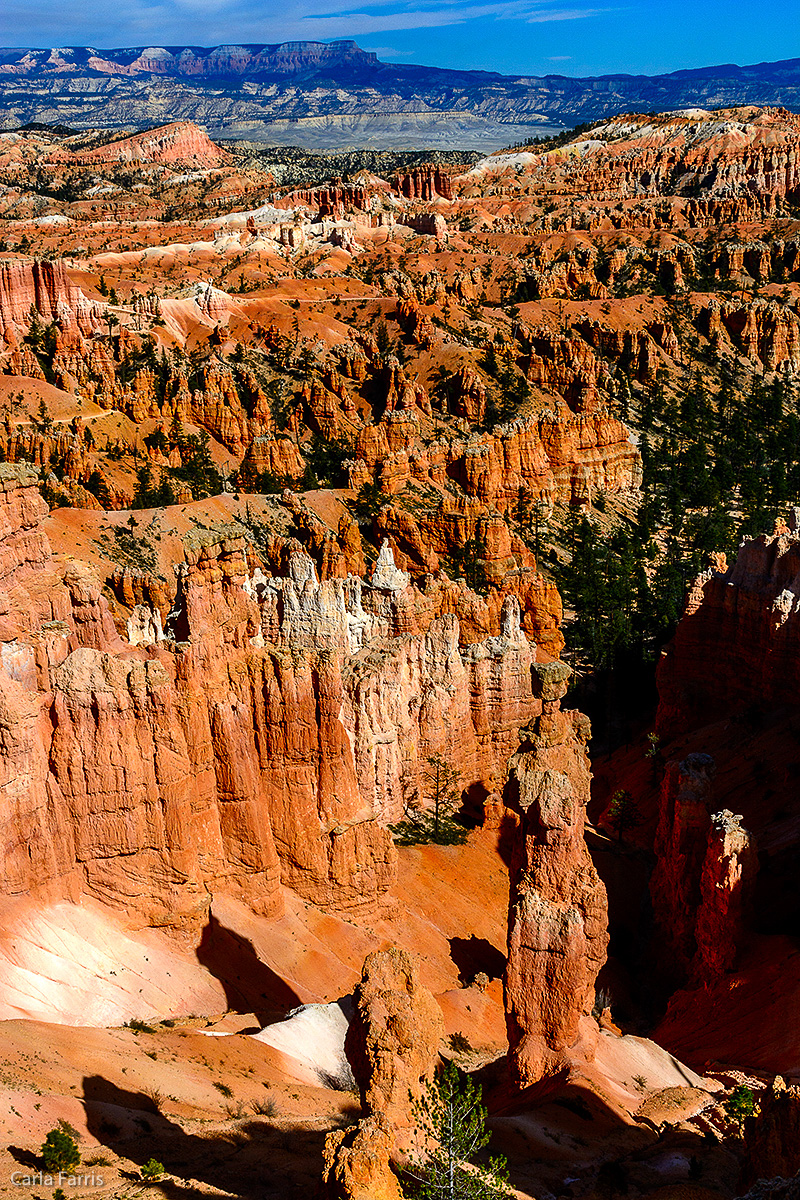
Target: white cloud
[211,22]
[563,14]
[387,51]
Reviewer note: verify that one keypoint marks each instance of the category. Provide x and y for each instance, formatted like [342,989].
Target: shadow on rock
[268,1159]
[250,985]
[474,955]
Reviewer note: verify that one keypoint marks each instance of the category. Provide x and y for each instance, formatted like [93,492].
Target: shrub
[155,1096]
[151,1170]
[139,1026]
[740,1105]
[60,1151]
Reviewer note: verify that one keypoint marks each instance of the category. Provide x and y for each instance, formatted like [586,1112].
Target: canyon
[329,514]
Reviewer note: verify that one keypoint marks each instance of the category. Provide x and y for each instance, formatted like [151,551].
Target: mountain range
[335,94]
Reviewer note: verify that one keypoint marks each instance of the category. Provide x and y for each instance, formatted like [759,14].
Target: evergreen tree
[198,468]
[434,821]
[451,1116]
[740,1105]
[60,1151]
[382,339]
[325,462]
[468,561]
[148,494]
[622,813]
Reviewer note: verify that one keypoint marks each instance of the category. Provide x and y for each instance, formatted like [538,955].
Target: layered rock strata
[44,287]
[267,734]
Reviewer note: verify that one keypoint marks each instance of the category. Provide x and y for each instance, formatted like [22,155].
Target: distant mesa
[336,94]
[287,58]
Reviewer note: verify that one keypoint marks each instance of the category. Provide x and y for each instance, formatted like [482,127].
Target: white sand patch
[314,1035]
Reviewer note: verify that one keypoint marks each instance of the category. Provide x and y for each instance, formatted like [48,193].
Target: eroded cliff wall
[268,737]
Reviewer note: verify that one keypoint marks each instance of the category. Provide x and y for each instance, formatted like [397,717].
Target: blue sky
[569,37]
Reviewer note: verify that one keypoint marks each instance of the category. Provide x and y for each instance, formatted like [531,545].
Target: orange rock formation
[268,738]
[45,288]
[557,921]
[393,1044]
[745,614]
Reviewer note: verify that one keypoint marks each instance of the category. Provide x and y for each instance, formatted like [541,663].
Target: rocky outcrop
[426,182]
[179,142]
[429,223]
[763,330]
[701,886]
[726,154]
[357,1163]
[775,1188]
[680,845]
[726,895]
[28,597]
[556,454]
[393,1042]
[773,1135]
[333,201]
[392,1045]
[230,405]
[46,288]
[736,644]
[557,934]
[264,730]
[420,542]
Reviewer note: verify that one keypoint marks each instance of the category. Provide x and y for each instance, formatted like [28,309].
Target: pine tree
[468,561]
[436,822]
[60,1151]
[622,813]
[198,468]
[452,1118]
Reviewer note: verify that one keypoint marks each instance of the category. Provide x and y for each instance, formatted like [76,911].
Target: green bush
[740,1105]
[60,1151]
[152,1170]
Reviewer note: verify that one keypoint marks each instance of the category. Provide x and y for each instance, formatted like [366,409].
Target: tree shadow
[25,1158]
[473,954]
[250,985]
[256,1157]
